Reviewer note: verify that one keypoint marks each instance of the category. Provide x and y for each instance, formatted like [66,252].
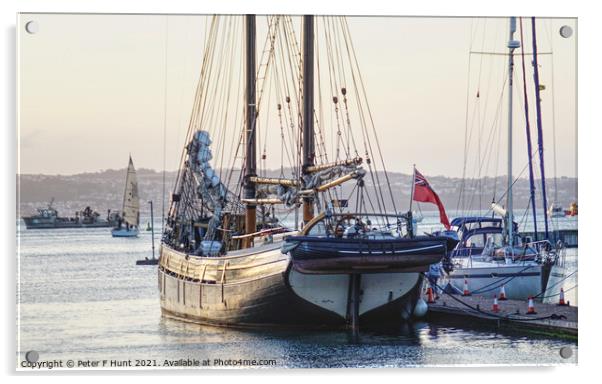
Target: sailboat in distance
[129,219]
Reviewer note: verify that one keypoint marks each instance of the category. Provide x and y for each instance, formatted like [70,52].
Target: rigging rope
[164,127]
[280,71]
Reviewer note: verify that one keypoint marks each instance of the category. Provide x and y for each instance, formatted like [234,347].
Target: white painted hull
[520,281]
[377,290]
[556,281]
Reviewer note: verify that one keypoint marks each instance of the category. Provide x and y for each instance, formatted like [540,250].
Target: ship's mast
[539,129]
[250,121]
[308,108]
[512,45]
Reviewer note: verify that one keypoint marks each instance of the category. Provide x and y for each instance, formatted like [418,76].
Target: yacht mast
[308,108]
[512,45]
[250,121]
[528,131]
[539,129]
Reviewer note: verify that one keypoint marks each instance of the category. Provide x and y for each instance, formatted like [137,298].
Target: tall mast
[512,45]
[528,129]
[308,107]
[250,121]
[539,128]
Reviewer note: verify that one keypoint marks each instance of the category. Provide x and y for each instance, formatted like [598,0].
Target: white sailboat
[491,254]
[128,222]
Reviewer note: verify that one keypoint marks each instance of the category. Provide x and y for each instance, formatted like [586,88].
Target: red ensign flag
[425,194]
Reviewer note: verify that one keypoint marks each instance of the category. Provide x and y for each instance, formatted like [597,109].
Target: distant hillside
[99,190]
[104,190]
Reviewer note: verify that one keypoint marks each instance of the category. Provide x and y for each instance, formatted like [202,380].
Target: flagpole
[413,186]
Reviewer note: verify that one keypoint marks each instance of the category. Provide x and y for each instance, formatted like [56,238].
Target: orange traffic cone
[561,299]
[503,293]
[429,295]
[466,292]
[531,309]
[496,306]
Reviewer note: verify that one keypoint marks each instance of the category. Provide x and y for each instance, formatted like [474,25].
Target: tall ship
[322,243]
[128,220]
[48,218]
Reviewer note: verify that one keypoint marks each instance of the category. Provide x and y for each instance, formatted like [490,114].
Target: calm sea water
[83,298]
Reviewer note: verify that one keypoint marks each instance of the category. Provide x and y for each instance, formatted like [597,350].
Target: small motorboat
[125,232]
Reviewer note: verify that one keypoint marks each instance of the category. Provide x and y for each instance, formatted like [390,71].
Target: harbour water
[81,297]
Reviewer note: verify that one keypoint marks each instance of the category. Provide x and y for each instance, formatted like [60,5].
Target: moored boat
[228,259]
[491,254]
[48,218]
[265,286]
[483,262]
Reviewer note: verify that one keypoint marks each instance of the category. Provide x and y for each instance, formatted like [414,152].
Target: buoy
[429,295]
[466,292]
[503,293]
[420,309]
[496,306]
[531,309]
[561,299]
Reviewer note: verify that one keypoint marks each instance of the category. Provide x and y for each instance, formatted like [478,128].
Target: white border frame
[589,28]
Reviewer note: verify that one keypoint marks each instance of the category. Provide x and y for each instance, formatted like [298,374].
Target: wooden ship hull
[262,288]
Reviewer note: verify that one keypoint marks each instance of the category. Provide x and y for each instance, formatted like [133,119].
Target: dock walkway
[550,319]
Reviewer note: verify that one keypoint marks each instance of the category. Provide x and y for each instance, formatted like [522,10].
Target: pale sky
[92,90]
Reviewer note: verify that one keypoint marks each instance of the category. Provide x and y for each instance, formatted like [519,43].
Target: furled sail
[131,199]
[210,188]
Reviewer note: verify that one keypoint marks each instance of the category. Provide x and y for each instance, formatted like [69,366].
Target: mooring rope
[553,285]
[503,281]
[558,294]
[494,315]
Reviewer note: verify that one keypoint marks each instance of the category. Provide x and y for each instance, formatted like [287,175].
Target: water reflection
[83,297]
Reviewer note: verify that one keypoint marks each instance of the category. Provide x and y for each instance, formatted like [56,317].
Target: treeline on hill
[104,190]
